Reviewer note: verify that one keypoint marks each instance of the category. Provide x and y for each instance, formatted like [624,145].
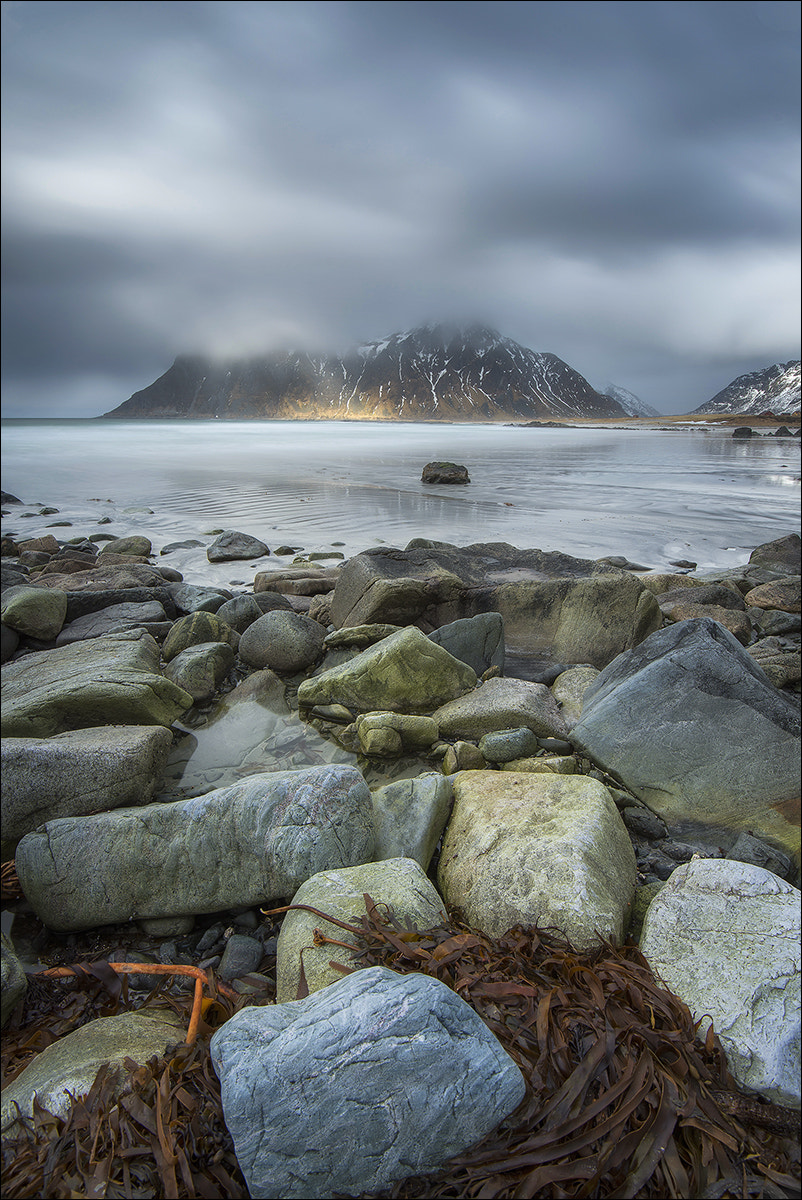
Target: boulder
[68,1067]
[33,611]
[405,672]
[200,670]
[412,733]
[136,545]
[738,623]
[691,725]
[102,578]
[80,772]
[445,472]
[504,745]
[777,559]
[724,936]
[251,843]
[241,611]
[189,598]
[231,545]
[8,644]
[399,883]
[781,664]
[477,641]
[783,594]
[569,690]
[406,1076]
[501,704]
[304,581]
[283,641]
[530,849]
[194,629]
[114,619]
[113,680]
[409,816]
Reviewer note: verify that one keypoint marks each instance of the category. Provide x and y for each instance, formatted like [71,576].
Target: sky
[614,183]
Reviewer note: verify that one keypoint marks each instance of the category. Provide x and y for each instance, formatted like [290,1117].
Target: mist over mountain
[774,389]
[431,373]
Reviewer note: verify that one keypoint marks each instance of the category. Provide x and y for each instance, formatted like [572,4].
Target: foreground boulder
[501,704]
[394,1074]
[113,680]
[405,672]
[526,849]
[80,772]
[691,725]
[724,936]
[33,611]
[399,883]
[247,844]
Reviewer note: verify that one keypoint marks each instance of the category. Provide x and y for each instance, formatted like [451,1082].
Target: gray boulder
[445,472]
[251,843]
[80,772]
[115,619]
[200,669]
[477,641]
[410,815]
[232,545]
[725,937]
[113,680]
[282,641]
[136,545]
[241,611]
[189,598]
[691,725]
[9,643]
[406,1076]
[502,704]
[399,883]
[33,611]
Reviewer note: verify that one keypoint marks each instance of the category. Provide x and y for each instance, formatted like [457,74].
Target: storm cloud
[616,183]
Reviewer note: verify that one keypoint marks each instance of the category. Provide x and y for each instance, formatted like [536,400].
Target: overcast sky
[616,183]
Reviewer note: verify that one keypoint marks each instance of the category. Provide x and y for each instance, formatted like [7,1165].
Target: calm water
[648,494]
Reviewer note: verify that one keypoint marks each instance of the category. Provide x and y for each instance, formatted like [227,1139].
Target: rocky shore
[520,737]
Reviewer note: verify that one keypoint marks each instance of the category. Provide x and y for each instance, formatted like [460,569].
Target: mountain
[432,373]
[632,405]
[774,389]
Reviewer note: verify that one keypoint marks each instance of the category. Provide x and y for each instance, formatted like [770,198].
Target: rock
[463,756]
[779,558]
[724,936]
[188,598]
[241,611]
[405,672]
[33,611]
[80,772]
[506,744]
[569,690]
[283,641]
[644,823]
[13,982]
[414,733]
[744,431]
[242,955]
[738,623]
[10,642]
[781,664]
[112,680]
[706,593]
[537,849]
[114,619]
[231,545]
[106,578]
[193,630]
[136,545]
[311,581]
[250,843]
[409,816]
[784,594]
[445,472]
[501,704]
[406,1077]
[80,604]
[68,1067]
[200,670]
[555,764]
[47,543]
[713,741]
[399,883]
[360,636]
[749,849]
[187,544]
[477,641]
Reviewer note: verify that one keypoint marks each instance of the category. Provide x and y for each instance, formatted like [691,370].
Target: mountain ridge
[775,388]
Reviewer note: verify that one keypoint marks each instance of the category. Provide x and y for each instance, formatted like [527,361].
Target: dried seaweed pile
[622,1098]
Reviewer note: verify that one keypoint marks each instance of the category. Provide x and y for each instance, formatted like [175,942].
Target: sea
[652,495]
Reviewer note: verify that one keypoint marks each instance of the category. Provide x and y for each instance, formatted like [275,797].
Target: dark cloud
[612,182]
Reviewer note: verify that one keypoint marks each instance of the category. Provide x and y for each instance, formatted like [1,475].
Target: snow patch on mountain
[774,389]
[632,405]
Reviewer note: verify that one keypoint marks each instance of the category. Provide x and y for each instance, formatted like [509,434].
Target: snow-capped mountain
[632,405]
[431,373]
[774,389]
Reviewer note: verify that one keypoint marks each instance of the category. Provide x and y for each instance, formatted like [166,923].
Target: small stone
[242,955]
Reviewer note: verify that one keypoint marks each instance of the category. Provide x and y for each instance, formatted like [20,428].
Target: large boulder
[80,772]
[251,843]
[692,726]
[201,669]
[283,641]
[555,607]
[195,629]
[113,680]
[410,815]
[68,1067]
[394,1074]
[725,936]
[33,611]
[232,545]
[405,672]
[114,619]
[502,704]
[477,641]
[526,849]
[400,883]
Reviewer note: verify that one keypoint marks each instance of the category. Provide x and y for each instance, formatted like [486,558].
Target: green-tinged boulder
[200,669]
[34,612]
[501,704]
[405,672]
[135,545]
[193,630]
[399,883]
[113,680]
[569,690]
[524,849]
[409,816]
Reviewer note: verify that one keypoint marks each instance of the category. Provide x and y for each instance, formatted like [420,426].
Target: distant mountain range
[432,373]
[632,405]
[774,389]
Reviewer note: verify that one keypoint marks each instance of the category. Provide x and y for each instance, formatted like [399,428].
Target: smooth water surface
[650,495]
